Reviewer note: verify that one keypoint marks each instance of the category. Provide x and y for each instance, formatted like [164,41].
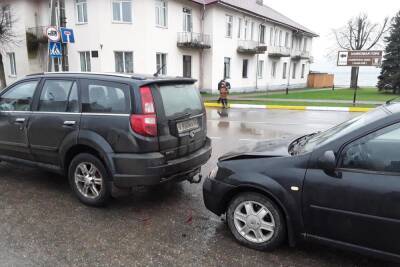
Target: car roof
[139,78]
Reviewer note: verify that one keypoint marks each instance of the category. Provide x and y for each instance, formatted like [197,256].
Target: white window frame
[12,64]
[274,65]
[229,26]
[287,39]
[7,16]
[280,37]
[162,61]
[284,70]
[81,5]
[252,24]
[262,32]
[227,67]
[187,19]
[240,20]
[124,60]
[260,69]
[121,20]
[271,36]
[246,29]
[303,71]
[294,70]
[87,61]
[161,10]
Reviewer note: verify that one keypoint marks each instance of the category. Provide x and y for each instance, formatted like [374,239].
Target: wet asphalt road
[41,222]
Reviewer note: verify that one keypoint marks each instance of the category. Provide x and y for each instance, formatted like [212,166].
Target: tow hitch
[195,177]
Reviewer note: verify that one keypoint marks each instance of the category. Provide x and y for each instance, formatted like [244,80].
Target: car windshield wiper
[300,142]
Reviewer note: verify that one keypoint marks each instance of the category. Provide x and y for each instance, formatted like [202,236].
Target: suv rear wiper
[182,116]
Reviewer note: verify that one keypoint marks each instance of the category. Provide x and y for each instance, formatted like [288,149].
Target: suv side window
[19,97]
[107,97]
[378,151]
[56,96]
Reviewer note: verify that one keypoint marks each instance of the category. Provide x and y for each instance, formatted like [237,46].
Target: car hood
[270,148]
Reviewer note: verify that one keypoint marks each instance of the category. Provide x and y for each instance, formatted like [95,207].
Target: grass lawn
[366,94]
[288,103]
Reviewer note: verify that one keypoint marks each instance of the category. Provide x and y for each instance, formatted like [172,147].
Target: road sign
[53,34]
[67,35]
[359,58]
[55,50]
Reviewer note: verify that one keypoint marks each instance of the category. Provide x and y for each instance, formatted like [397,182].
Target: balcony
[251,47]
[279,51]
[194,40]
[297,55]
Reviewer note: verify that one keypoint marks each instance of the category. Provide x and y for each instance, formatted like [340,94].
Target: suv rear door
[55,117]
[182,124]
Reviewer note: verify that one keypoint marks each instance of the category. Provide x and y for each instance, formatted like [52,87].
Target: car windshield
[314,141]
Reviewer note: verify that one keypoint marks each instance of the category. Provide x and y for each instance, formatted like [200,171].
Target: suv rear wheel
[256,221]
[89,180]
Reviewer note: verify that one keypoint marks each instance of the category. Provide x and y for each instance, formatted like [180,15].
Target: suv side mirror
[328,162]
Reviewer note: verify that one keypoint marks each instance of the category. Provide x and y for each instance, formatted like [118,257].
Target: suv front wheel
[89,180]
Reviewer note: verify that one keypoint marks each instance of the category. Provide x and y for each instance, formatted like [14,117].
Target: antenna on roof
[159,70]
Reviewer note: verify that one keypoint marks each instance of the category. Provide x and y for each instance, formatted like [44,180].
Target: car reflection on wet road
[41,222]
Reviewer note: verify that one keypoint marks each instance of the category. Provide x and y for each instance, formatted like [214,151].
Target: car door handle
[20,120]
[69,123]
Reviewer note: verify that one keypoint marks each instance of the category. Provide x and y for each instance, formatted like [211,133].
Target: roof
[260,10]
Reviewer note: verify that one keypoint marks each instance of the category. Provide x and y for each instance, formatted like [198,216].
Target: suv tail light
[145,123]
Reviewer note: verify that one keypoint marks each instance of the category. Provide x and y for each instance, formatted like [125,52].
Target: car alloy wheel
[88,180]
[254,222]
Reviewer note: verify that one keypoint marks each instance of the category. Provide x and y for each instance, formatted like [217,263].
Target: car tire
[266,227]
[89,180]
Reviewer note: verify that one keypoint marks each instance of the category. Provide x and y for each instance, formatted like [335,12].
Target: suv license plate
[188,125]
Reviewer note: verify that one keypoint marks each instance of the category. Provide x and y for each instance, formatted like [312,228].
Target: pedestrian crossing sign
[55,50]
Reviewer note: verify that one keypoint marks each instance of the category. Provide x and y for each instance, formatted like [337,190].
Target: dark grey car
[105,129]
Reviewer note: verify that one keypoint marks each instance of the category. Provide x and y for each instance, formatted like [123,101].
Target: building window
[85,61]
[287,40]
[81,11]
[240,28]
[187,66]
[246,29]
[284,70]
[161,63]
[305,44]
[227,67]
[122,10]
[7,16]
[260,69]
[294,70]
[123,62]
[187,20]
[262,34]
[273,69]
[303,70]
[271,36]
[276,38]
[229,25]
[252,31]
[280,38]
[245,67]
[13,66]
[161,13]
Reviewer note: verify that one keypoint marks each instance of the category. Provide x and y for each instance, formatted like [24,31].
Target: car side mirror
[328,162]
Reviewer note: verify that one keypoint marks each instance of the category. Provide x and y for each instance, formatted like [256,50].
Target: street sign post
[55,50]
[359,58]
[67,35]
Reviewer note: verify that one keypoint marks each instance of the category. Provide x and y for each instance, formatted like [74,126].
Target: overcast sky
[322,16]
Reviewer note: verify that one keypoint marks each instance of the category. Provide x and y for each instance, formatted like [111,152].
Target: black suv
[105,129]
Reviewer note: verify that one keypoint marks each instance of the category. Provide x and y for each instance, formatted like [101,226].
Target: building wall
[145,39]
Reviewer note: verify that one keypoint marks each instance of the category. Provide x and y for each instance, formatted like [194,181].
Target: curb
[281,107]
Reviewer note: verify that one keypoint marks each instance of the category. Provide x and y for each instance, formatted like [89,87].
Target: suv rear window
[180,98]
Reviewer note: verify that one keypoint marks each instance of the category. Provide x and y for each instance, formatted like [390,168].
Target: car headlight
[213,173]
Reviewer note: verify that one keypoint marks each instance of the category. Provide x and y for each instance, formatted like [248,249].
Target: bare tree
[360,34]
[7,38]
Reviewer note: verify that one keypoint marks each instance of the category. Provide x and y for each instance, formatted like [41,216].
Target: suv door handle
[69,123]
[20,120]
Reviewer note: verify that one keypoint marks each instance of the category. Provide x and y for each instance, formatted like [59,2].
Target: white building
[251,45]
